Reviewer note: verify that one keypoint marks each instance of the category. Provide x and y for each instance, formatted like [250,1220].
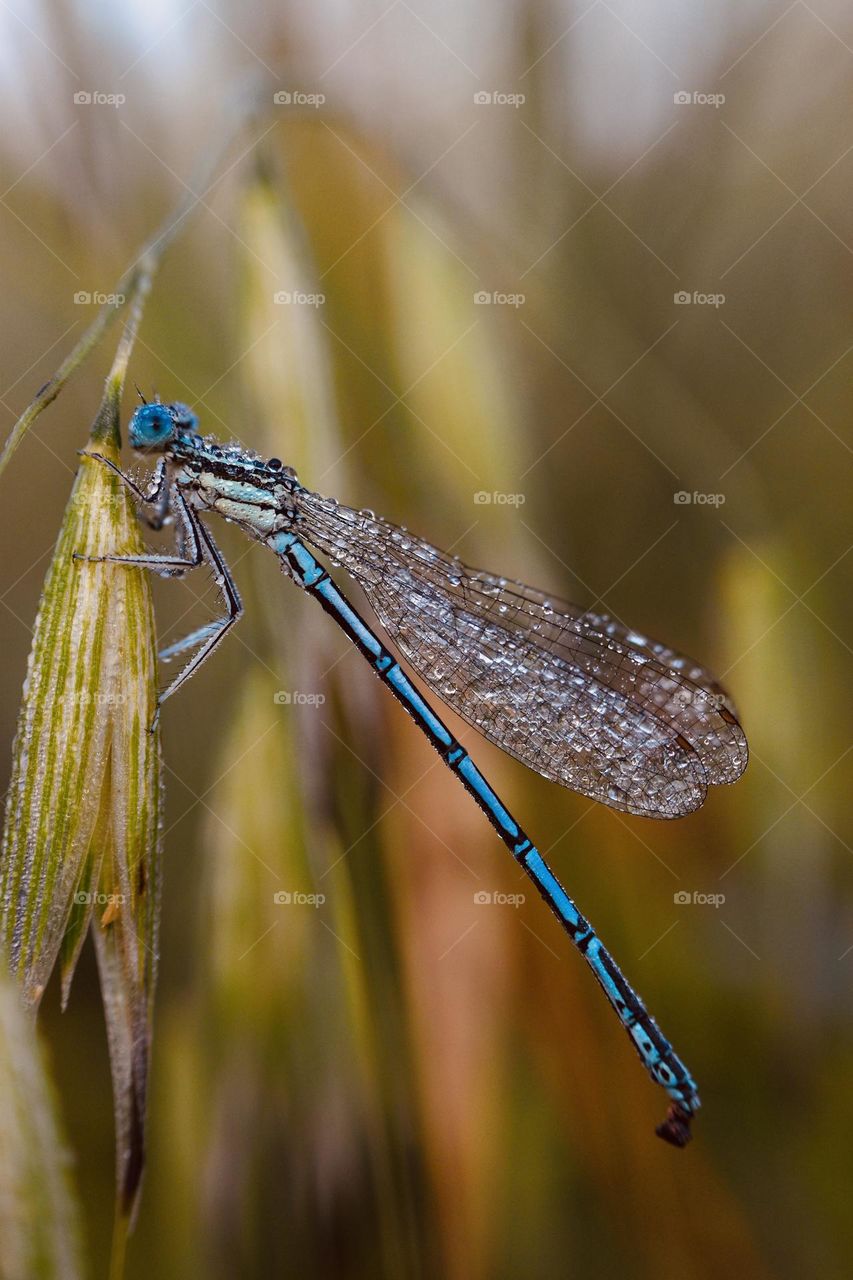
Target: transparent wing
[576,696]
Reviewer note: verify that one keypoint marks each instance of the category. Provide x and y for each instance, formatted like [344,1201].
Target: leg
[658,1056]
[157,494]
[195,546]
[162,497]
[214,632]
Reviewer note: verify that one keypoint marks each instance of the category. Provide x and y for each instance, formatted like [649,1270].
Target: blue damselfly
[574,695]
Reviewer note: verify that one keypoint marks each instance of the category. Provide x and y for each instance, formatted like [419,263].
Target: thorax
[240,489]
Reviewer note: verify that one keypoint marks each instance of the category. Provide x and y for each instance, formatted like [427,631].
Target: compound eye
[151,427]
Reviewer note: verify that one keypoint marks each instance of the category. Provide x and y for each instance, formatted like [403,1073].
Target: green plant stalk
[81,838]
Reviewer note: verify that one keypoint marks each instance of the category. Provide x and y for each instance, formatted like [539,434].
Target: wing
[574,695]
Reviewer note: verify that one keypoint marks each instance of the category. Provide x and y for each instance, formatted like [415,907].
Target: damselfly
[576,696]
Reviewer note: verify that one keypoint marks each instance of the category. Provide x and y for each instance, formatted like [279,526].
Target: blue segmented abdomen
[654,1049]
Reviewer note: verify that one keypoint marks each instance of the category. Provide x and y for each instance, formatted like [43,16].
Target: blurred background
[565,288]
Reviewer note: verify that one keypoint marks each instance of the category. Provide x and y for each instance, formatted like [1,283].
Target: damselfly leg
[194,546]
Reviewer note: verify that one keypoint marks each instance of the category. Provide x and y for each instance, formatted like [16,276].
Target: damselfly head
[154,426]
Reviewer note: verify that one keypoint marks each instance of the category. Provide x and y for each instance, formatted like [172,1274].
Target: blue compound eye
[151,427]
